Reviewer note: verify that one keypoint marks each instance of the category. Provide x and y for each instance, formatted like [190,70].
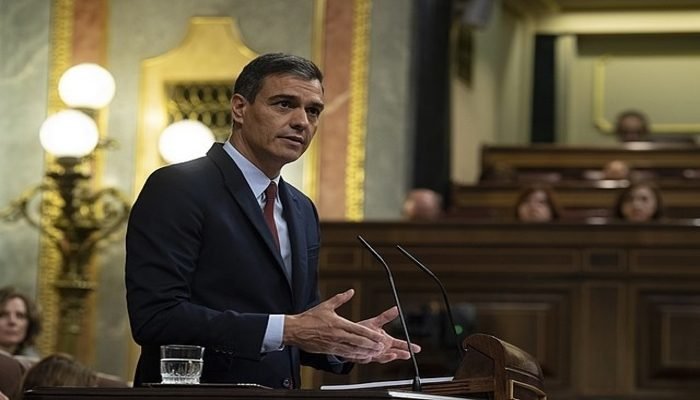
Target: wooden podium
[491,369]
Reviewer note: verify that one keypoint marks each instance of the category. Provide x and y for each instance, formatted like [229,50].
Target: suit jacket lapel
[297,240]
[239,189]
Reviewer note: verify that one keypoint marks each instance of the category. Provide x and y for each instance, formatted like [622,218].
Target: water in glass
[180,370]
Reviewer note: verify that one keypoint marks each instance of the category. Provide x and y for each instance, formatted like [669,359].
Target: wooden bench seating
[575,175]
[554,162]
[578,199]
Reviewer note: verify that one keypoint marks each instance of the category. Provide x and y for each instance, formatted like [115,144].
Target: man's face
[278,126]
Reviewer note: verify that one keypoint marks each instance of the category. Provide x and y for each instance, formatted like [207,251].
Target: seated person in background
[536,204]
[499,173]
[616,170]
[422,204]
[632,126]
[58,370]
[639,202]
[19,323]
[11,372]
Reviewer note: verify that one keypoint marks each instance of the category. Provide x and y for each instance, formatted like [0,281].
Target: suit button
[287,383]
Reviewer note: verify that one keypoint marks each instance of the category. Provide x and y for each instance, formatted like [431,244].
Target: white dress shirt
[258,182]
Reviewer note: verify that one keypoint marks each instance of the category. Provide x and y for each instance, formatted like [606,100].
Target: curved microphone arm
[416,385]
[453,326]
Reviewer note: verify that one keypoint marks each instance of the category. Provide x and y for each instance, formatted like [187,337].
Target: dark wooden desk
[205,392]
[609,311]
[490,368]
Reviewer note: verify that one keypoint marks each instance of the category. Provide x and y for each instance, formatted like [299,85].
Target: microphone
[453,326]
[416,385]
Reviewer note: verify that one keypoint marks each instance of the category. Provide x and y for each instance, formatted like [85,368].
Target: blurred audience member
[11,372]
[639,202]
[499,172]
[58,370]
[19,322]
[422,204]
[536,204]
[616,170]
[632,126]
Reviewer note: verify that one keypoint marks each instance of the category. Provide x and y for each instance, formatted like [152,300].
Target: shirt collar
[257,180]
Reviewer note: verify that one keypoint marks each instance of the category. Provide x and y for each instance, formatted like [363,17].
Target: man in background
[632,126]
[422,205]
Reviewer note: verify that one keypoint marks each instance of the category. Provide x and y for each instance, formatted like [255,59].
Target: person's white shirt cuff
[272,341]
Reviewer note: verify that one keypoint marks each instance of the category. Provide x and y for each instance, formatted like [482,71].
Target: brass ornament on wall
[206,102]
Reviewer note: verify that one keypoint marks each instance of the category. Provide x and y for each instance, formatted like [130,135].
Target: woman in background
[19,323]
[640,202]
[536,204]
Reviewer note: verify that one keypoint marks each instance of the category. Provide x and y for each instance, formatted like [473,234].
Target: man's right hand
[321,330]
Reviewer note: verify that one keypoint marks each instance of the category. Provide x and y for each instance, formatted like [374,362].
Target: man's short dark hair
[250,80]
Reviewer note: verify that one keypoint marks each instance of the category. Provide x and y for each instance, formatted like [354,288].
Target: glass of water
[181,364]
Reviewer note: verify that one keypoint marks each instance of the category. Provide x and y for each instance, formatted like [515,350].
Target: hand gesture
[321,330]
[394,349]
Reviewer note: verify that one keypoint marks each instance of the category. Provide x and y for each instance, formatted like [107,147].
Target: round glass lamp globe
[69,133]
[185,140]
[86,85]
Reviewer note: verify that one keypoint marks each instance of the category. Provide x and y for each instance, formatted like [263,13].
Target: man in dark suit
[222,253]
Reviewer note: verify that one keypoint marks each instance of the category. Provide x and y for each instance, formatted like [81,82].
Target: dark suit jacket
[202,268]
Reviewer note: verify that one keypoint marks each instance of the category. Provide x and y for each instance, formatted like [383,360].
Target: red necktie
[269,210]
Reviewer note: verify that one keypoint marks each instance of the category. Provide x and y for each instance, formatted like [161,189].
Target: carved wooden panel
[685,261]
[537,319]
[604,260]
[602,338]
[669,337]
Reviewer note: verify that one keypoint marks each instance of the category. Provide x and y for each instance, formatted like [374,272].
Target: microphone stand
[460,350]
[416,384]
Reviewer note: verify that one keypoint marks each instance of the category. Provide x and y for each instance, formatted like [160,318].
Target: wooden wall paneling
[666,261]
[604,317]
[609,311]
[537,318]
[604,260]
[668,331]
[342,258]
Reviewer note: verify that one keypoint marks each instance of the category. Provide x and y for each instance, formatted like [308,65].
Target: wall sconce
[74,217]
[185,140]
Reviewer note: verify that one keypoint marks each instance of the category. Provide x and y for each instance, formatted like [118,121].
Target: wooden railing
[578,199]
[556,162]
